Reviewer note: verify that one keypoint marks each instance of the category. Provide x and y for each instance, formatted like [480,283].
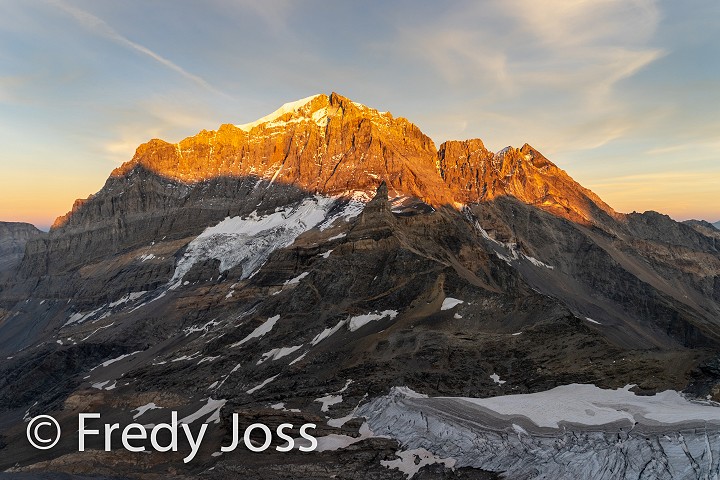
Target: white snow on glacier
[591,405]
[569,432]
[249,241]
[290,107]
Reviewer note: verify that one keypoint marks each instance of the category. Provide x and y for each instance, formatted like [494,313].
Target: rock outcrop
[475,175]
[324,144]
[13,237]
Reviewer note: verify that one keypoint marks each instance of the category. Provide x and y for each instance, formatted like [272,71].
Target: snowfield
[248,242]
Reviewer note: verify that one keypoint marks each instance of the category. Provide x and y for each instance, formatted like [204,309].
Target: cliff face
[13,237]
[333,146]
[475,174]
[323,144]
[329,145]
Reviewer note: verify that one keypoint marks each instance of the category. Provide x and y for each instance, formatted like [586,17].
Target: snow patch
[290,107]
[281,406]
[144,408]
[116,359]
[347,384]
[277,353]
[320,117]
[130,297]
[298,359]
[205,328]
[259,331]
[361,320]
[411,461]
[212,406]
[334,441]
[80,317]
[512,248]
[296,280]
[450,302]
[327,332]
[328,401]
[208,359]
[186,357]
[258,387]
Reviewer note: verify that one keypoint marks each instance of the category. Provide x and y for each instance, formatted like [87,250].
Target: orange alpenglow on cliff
[334,146]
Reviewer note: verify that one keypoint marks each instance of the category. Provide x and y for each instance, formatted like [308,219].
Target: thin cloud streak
[100,27]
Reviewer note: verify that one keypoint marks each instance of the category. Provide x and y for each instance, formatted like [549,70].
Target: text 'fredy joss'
[163,437]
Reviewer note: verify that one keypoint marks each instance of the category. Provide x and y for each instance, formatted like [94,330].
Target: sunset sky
[624,95]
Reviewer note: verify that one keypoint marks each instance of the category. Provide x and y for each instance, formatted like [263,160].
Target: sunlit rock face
[332,145]
[325,144]
[475,174]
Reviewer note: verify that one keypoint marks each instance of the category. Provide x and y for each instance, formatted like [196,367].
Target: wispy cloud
[557,62]
[102,28]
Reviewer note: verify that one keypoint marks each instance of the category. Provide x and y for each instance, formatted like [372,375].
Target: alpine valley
[437,312]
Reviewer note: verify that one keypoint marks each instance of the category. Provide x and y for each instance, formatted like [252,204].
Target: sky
[622,94]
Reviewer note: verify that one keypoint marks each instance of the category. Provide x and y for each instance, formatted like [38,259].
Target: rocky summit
[427,308]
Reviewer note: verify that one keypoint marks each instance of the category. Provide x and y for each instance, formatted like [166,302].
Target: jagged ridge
[331,145]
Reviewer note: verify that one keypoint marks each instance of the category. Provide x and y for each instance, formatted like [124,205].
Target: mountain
[703,225]
[329,264]
[13,237]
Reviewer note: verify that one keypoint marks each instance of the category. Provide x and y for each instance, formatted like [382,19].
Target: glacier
[249,241]
[569,432]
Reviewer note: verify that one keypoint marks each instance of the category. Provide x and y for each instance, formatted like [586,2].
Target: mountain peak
[314,107]
[332,145]
[287,109]
[322,144]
